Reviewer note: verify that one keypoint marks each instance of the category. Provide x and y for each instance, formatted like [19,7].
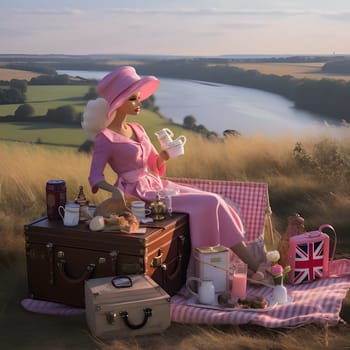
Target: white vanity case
[143,308]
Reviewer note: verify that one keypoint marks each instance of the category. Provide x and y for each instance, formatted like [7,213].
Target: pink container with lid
[309,255]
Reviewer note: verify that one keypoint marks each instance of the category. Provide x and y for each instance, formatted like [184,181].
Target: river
[219,107]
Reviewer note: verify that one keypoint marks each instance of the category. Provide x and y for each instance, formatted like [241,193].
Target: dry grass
[23,175]
[8,74]
[293,187]
[298,70]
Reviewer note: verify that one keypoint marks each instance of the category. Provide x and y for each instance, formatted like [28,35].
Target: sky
[177,27]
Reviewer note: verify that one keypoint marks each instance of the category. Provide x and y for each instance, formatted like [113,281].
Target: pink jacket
[212,220]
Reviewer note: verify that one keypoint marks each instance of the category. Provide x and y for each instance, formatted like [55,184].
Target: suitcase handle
[335,237]
[125,316]
[177,270]
[86,274]
[175,274]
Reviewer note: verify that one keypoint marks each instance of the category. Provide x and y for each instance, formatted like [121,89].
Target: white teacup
[165,137]
[139,210]
[176,148]
[70,214]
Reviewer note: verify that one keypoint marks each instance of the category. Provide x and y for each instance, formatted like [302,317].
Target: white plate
[192,302]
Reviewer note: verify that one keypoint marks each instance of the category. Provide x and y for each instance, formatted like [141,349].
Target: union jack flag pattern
[309,257]
[308,262]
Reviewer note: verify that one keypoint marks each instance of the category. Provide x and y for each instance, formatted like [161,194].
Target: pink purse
[309,255]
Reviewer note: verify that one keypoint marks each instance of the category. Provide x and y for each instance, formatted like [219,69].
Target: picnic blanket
[316,302]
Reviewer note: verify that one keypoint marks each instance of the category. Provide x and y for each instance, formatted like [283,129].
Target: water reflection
[219,107]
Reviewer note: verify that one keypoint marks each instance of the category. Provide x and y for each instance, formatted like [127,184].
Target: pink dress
[212,220]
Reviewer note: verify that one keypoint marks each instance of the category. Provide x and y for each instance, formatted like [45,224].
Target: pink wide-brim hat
[120,84]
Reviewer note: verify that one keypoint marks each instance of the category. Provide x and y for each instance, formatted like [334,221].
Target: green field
[57,134]
[45,132]
[42,98]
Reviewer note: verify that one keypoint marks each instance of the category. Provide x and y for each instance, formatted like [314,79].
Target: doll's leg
[244,254]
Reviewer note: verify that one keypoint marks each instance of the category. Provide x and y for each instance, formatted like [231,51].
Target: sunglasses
[122,282]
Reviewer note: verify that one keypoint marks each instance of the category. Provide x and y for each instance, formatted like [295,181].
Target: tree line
[337,67]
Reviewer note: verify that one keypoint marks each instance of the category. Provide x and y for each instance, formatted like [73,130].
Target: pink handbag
[309,255]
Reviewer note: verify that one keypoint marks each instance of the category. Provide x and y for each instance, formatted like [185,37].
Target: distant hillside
[338,67]
[328,97]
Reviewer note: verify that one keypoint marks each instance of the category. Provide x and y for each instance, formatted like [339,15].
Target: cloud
[338,16]
[229,12]
[186,11]
[48,12]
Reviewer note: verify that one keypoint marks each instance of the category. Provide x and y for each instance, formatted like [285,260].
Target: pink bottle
[309,255]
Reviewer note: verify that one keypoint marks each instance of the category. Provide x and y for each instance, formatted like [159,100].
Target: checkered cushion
[250,197]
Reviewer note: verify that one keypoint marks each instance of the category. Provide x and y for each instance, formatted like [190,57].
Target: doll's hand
[164,155]
[118,194]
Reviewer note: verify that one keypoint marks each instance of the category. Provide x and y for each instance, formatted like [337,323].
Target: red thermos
[55,196]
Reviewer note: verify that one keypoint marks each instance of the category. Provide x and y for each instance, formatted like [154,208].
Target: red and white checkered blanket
[249,198]
[316,302]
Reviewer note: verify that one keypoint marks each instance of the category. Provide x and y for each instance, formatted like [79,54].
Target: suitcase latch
[101,260]
[111,317]
[157,260]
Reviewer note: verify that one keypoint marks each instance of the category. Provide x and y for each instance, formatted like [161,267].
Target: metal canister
[212,264]
[56,195]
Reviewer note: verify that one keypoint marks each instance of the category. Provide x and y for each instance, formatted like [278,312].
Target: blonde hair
[95,117]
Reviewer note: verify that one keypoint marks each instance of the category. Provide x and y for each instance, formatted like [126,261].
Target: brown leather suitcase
[60,259]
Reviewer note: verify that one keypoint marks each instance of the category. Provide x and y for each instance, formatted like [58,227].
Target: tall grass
[308,175]
[311,178]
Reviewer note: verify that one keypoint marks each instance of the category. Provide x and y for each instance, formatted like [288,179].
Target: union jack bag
[309,255]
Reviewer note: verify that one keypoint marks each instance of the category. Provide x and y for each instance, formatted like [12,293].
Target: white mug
[206,290]
[70,214]
[176,148]
[139,210]
[165,137]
